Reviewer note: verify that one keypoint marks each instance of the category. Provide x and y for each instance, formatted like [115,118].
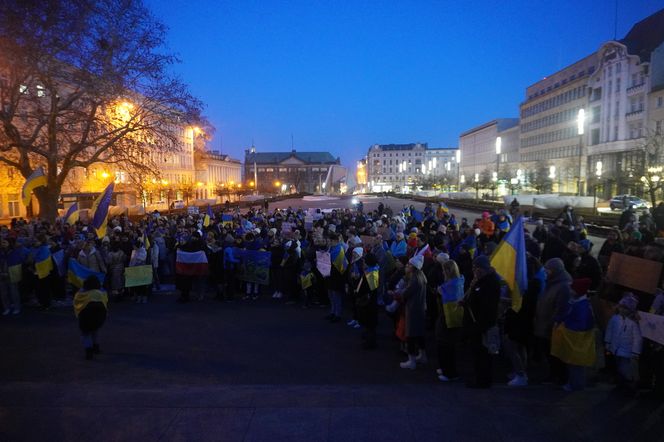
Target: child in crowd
[623,339]
[307,279]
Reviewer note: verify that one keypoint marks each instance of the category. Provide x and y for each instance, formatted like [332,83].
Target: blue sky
[341,76]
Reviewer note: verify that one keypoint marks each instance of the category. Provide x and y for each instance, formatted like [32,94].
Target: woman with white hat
[414,298]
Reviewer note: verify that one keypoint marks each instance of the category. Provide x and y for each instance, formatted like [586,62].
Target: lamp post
[404,166]
[598,174]
[477,186]
[580,124]
[458,162]
[499,147]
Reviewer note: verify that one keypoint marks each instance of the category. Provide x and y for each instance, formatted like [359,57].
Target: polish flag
[191,263]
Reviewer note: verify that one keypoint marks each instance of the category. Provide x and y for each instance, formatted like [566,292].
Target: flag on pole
[36,179]
[417,215]
[338,257]
[509,260]
[72,214]
[227,220]
[191,263]
[100,210]
[208,216]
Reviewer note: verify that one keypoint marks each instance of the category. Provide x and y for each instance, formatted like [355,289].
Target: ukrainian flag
[227,220]
[451,293]
[72,214]
[306,279]
[509,260]
[36,179]
[417,215]
[208,217]
[573,341]
[15,261]
[78,273]
[338,257]
[371,274]
[470,241]
[100,210]
[43,261]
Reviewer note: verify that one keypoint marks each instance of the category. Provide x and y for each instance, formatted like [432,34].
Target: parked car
[623,201]
[177,204]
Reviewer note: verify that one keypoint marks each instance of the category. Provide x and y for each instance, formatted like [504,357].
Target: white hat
[359,251]
[117,229]
[416,261]
[442,257]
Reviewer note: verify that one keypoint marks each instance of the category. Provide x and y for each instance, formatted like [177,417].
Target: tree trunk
[48,202]
[653,198]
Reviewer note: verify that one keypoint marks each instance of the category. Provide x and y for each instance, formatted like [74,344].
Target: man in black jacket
[480,314]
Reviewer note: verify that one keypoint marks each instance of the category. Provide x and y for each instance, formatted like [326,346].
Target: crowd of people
[427,274]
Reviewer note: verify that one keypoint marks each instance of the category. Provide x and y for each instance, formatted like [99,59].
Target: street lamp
[458,161]
[477,186]
[598,174]
[580,126]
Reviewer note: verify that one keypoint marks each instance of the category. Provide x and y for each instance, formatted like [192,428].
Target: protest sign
[308,223]
[652,327]
[254,265]
[323,263]
[287,229]
[634,273]
[137,276]
[192,210]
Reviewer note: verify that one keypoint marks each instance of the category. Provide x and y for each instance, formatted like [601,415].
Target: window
[618,68]
[617,84]
[658,126]
[23,89]
[660,101]
[13,204]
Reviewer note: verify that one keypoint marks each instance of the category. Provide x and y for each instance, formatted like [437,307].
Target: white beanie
[359,251]
[442,257]
[416,261]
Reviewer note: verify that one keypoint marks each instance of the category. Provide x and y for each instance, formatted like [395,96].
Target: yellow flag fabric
[573,347]
[453,314]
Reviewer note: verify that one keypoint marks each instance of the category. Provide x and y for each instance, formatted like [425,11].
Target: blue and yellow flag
[43,261]
[451,293]
[227,220]
[306,279]
[100,210]
[338,257]
[15,260]
[72,214]
[208,217]
[417,215]
[78,273]
[470,241]
[36,179]
[509,260]
[573,340]
[371,274]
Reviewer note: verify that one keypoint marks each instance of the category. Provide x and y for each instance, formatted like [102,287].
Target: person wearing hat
[480,314]
[366,293]
[623,339]
[553,303]
[356,269]
[398,248]
[414,300]
[487,228]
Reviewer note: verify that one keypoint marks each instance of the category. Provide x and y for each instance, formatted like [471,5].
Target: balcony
[634,115]
[636,88]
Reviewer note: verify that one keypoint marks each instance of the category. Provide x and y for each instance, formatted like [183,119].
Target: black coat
[481,304]
[519,325]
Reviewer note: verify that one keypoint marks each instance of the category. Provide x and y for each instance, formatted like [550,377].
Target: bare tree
[541,180]
[653,171]
[85,82]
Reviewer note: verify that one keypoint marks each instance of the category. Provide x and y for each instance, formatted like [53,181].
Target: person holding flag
[100,211]
[337,278]
[208,216]
[36,179]
[366,298]
[11,273]
[72,215]
[43,266]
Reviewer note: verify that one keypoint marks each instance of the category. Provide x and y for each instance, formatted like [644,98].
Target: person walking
[90,306]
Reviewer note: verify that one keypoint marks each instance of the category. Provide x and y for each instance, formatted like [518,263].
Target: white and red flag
[191,263]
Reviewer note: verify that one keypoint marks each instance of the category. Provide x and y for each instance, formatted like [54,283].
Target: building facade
[215,171]
[395,166]
[487,147]
[274,172]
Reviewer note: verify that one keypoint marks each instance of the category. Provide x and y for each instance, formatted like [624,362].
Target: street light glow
[552,172]
[598,168]
[477,177]
[580,121]
[458,156]
[499,145]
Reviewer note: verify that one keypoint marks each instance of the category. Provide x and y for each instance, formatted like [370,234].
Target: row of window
[289,169]
[562,83]
[552,154]
[396,154]
[550,137]
[549,120]
[565,97]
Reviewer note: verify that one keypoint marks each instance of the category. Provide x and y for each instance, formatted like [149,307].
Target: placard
[192,210]
[137,276]
[635,273]
[652,327]
[323,263]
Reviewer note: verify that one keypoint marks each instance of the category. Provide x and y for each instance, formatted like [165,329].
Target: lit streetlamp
[580,125]
[458,163]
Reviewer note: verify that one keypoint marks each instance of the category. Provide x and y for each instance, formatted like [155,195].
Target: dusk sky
[341,76]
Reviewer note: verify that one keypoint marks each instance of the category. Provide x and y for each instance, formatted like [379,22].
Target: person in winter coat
[518,326]
[115,263]
[184,283]
[480,315]
[414,299]
[623,340]
[399,246]
[366,298]
[139,257]
[553,303]
[450,321]
[90,304]
[355,274]
[612,244]
[90,257]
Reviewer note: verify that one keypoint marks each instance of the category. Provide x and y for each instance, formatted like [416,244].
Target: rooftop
[501,124]
[409,146]
[279,157]
[645,36]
